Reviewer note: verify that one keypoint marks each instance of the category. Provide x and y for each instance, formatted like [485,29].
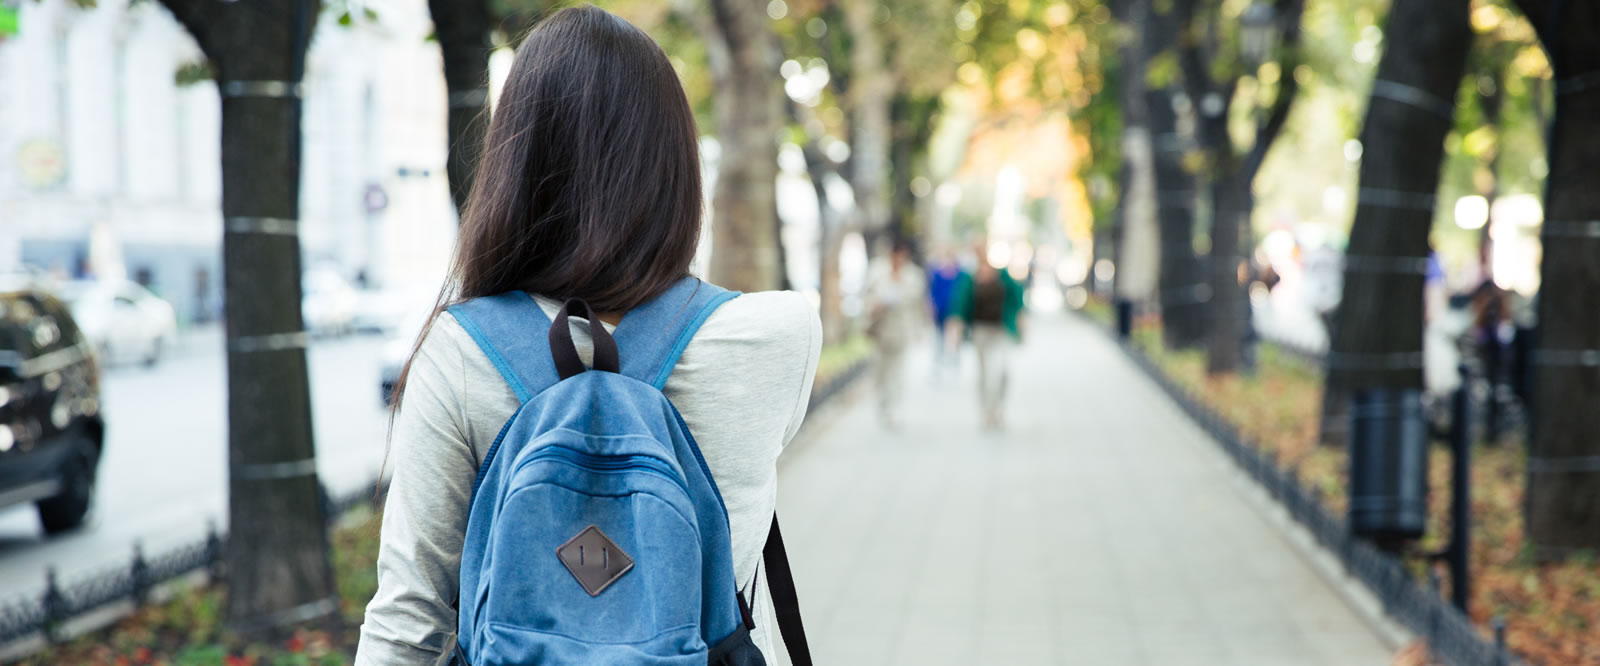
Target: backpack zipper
[628,463]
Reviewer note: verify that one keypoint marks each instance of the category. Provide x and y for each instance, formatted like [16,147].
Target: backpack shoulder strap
[511,329]
[780,582]
[652,336]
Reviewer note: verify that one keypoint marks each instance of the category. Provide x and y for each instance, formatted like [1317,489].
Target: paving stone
[1101,527]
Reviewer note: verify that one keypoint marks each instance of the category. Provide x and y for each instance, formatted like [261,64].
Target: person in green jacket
[988,306]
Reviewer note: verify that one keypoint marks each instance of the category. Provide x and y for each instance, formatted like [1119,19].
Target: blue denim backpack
[596,534]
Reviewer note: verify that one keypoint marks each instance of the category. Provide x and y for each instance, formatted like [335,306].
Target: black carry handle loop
[780,580]
[568,363]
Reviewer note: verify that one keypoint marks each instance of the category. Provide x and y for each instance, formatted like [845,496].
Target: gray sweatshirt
[742,386]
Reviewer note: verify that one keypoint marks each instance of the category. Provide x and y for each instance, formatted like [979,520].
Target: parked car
[51,429]
[122,320]
[328,302]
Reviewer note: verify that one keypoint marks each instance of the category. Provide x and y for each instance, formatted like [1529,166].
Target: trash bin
[1124,318]
[1388,466]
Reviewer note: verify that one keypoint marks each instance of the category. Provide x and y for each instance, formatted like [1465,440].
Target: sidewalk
[1100,528]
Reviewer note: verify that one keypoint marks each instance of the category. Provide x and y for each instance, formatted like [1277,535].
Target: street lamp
[1258,32]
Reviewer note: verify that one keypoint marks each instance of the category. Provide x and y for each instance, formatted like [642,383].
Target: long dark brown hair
[589,183]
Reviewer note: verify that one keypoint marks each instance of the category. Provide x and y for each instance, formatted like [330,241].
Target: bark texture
[462,28]
[1563,494]
[1182,288]
[871,132]
[1377,335]
[744,56]
[278,570]
[1184,291]
[1131,15]
[914,120]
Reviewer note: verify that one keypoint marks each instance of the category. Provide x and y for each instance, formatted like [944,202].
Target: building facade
[110,166]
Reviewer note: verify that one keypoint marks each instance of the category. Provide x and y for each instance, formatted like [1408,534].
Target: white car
[123,320]
[328,303]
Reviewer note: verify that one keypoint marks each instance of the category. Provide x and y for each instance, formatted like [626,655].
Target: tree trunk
[834,327]
[1184,291]
[829,237]
[871,94]
[744,56]
[779,250]
[1138,236]
[914,122]
[1182,286]
[462,28]
[1230,173]
[1132,15]
[1377,334]
[1230,204]
[1563,494]
[277,552]
[1491,103]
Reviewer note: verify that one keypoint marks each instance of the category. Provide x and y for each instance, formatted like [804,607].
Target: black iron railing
[46,613]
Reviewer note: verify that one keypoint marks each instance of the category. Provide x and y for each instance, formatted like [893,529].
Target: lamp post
[1258,33]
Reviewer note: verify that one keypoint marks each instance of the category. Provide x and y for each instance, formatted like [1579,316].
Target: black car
[51,431]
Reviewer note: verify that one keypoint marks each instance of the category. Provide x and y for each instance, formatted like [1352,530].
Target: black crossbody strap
[781,582]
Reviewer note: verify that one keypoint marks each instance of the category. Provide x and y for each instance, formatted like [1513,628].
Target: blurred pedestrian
[897,308]
[988,306]
[943,273]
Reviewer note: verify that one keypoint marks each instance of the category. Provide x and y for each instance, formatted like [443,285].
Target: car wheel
[67,509]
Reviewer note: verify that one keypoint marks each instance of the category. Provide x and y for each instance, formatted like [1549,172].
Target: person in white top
[589,187]
[898,312]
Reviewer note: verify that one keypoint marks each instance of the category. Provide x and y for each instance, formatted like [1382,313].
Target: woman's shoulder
[779,320]
[768,333]
[755,355]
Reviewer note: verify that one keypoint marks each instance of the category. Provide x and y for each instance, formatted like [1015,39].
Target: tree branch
[196,16]
[1191,59]
[718,51]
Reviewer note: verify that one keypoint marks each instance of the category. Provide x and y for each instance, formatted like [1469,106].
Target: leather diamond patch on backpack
[594,559]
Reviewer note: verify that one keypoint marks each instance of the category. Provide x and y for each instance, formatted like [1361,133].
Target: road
[164,474]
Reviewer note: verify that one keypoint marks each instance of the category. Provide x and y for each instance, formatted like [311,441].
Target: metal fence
[132,582]
[1450,634]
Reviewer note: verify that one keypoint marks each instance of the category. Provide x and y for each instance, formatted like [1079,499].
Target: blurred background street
[1139,316]
[165,476]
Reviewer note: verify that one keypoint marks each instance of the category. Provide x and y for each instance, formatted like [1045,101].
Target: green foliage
[201,655]
[837,358]
[194,71]
[1162,69]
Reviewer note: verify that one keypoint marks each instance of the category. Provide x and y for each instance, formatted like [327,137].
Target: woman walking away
[579,411]
[897,313]
[989,305]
